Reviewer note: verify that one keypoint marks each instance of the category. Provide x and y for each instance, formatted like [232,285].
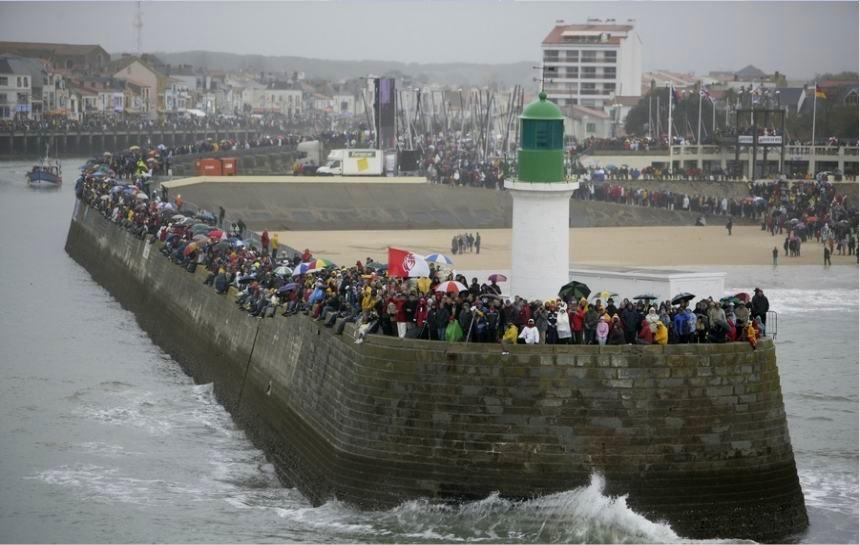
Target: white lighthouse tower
[540,240]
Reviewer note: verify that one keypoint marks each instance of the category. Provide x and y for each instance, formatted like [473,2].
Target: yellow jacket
[511,334]
[662,335]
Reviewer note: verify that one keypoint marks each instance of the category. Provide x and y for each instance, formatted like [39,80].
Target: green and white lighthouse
[540,252]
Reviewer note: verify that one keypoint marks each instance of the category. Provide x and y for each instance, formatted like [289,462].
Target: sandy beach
[627,246]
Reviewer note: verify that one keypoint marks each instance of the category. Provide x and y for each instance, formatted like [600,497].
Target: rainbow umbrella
[316,264]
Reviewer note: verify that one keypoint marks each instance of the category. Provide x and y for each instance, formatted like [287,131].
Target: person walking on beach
[477,243]
[729,226]
[221,213]
[826,257]
[775,255]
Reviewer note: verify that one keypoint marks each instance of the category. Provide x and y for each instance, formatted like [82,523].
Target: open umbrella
[177,217]
[683,296]
[206,215]
[200,239]
[574,290]
[604,295]
[283,271]
[743,296]
[319,263]
[214,233]
[439,259]
[376,266]
[141,196]
[497,277]
[646,297]
[104,197]
[730,299]
[200,229]
[451,286]
[286,288]
[301,268]
[134,148]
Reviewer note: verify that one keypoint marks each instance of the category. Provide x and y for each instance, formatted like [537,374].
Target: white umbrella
[451,286]
[440,259]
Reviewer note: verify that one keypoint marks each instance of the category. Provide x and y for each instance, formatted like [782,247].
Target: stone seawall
[695,434]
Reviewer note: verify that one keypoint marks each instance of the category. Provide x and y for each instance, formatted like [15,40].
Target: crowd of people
[466,242]
[118,123]
[267,280]
[460,162]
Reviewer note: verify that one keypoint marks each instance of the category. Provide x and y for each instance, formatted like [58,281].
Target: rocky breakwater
[694,434]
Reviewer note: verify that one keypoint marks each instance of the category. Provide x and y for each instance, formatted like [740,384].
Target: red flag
[405,264]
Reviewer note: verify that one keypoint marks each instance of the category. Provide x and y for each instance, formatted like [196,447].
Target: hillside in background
[445,73]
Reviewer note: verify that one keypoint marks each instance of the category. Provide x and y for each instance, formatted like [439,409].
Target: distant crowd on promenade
[266,281]
[148,160]
[112,123]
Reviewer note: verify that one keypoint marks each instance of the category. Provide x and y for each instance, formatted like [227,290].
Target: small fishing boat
[47,173]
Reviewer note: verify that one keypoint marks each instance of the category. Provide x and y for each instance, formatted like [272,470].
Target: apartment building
[588,64]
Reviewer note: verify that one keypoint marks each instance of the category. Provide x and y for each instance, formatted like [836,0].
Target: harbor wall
[333,205]
[695,434]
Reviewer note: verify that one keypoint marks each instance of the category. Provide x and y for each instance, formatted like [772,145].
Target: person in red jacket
[645,336]
[264,241]
[577,322]
[400,316]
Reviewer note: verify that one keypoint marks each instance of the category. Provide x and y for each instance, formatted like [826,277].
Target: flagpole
[814,103]
[699,127]
[713,121]
[670,128]
[649,116]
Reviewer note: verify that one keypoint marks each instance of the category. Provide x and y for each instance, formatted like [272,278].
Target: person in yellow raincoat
[662,334]
[510,337]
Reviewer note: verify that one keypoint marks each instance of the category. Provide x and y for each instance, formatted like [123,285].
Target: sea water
[105,439]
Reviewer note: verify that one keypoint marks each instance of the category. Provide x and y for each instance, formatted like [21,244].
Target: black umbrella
[683,296]
[646,297]
[574,290]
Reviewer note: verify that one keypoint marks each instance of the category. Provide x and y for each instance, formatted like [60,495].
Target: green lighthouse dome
[541,156]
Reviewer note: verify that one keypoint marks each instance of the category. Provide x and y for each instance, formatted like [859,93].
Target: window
[851,98]
[589,72]
[609,73]
[610,56]
[26,82]
[4,81]
[18,82]
[5,112]
[539,134]
[590,127]
[608,88]
[3,98]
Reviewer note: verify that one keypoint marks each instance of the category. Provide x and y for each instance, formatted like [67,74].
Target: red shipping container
[229,166]
[208,167]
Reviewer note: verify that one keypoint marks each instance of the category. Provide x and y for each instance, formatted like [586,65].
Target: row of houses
[73,81]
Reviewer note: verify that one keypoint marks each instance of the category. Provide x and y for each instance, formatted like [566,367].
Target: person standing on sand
[729,226]
[826,257]
[477,243]
[775,255]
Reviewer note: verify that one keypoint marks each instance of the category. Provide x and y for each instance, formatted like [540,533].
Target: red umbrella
[743,296]
[215,233]
[497,277]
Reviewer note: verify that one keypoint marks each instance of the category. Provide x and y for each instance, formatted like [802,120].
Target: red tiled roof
[555,35]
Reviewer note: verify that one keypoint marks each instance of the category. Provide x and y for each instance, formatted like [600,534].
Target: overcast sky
[797,38]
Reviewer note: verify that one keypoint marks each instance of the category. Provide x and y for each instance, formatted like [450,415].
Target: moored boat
[45,174]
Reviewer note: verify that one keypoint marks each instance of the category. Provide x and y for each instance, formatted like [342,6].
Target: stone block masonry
[695,434]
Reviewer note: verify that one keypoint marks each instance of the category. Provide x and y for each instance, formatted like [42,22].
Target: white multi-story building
[15,89]
[588,64]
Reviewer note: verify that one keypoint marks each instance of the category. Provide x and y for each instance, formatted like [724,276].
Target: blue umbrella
[286,288]
[301,269]
[438,258]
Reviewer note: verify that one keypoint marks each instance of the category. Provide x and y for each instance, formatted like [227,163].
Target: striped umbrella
[451,286]
[439,259]
[316,264]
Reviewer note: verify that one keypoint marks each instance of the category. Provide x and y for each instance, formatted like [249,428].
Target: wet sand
[627,246]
